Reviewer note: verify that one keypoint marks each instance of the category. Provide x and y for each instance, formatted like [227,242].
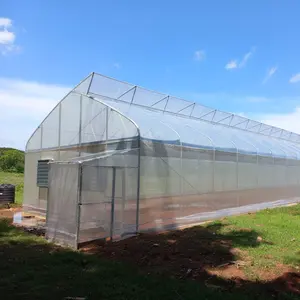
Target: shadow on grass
[192,253]
[31,268]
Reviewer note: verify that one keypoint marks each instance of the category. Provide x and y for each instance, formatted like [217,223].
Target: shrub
[12,161]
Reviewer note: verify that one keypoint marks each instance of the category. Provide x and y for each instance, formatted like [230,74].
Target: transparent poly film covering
[76,123]
[50,132]
[93,199]
[109,197]
[170,128]
[62,210]
[104,86]
[31,191]
[186,187]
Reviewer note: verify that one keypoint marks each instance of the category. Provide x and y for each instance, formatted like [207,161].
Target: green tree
[12,161]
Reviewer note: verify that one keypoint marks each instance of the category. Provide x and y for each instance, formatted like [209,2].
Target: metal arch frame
[177,133]
[170,127]
[286,160]
[214,152]
[272,155]
[272,128]
[285,149]
[287,164]
[213,111]
[293,146]
[237,160]
[249,143]
[139,156]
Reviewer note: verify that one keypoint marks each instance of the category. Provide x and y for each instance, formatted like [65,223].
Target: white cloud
[117,65]
[289,121]
[245,59]
[5,22]
[244,105]
[295,78]
[199,55]
[7,37]
[231,65]
[238,64]
[256,99]
[25,104]
[270,73]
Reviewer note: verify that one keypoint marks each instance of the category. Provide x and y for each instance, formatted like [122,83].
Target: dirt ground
[8,213]
[196,254]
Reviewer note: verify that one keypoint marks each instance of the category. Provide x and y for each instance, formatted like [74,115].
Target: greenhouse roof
[100,85]
[173,120]
[157,117]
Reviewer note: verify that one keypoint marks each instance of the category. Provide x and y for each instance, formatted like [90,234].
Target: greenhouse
[113,159]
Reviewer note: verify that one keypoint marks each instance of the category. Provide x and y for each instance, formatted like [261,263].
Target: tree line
[11,160]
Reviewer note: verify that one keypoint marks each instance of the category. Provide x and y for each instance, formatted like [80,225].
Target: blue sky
[238,56]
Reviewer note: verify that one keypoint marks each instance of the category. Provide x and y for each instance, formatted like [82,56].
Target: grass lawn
[18,180]
[279,239]
[240,257]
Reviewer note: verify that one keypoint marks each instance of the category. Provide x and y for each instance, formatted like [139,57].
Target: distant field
[14,178]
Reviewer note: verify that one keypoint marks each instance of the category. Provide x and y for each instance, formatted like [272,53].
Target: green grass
[278,230]
[18,180]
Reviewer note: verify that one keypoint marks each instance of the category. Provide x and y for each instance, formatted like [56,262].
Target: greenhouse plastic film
[62,210]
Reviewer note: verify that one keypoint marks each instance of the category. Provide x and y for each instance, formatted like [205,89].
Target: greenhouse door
[62,206]
[108,202]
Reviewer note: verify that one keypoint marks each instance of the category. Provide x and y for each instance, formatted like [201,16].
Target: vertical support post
[112,210]
[78,204]
[181,175]
[237,177]
[48,198]
[124,198]
[80,126]
[286,171]
[213,172]
[59,129]
[41,156]
[138,186]
[106,125]
[237,169]
[41,146]
[273,170]
[257,169]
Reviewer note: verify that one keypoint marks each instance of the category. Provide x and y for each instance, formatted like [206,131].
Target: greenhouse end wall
[78,127]
[144,168]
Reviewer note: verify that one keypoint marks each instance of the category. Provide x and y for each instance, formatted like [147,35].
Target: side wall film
[181,185]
